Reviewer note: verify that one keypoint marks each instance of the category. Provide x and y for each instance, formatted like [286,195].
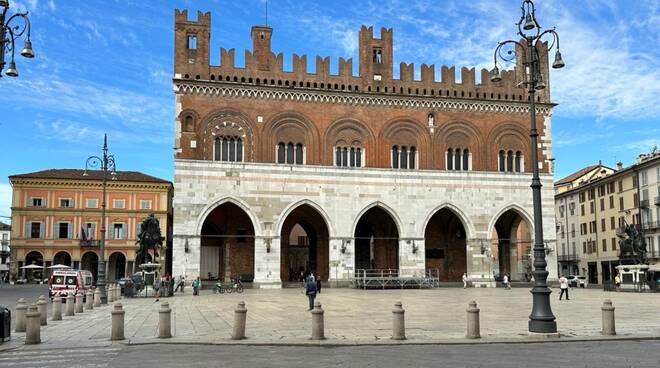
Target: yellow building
[56,218]
[592,207]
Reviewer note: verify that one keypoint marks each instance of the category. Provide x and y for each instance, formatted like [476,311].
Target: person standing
[318,284]
[617,281]
[563,286]
[505,282]
[195,285]
[310,290]
[464,280]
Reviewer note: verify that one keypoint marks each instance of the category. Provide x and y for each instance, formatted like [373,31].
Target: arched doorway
[304,244]
[227,244]
[376,241]
[90,262]
[37,259]
[512,245]
[445,242]
[63,258]
[116,266]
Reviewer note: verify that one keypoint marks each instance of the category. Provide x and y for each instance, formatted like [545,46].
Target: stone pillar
[79,302]
[21,320]
[97,298]
[33,330]
[342,261]
[398,322]
[608,318]
[240,314]
[412,261]
[69,305]
[117,331]
[317,322]
[57,309]
[42,306]
[480,262]
[473,321]
[165,321]
[111,297]
[185,250]
[89,299]
[267,264]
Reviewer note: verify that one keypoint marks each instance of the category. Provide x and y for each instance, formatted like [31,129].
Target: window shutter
[56,230]
[124,230]
[137,230]
[27,233]
[41,230]
[70,232]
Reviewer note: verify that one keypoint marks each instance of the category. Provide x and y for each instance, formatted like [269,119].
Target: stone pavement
[355,317]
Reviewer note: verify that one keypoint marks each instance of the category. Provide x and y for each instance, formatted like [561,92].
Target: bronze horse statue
[149,238]
[634,246]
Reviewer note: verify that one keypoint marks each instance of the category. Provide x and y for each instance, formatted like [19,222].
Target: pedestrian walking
[563,286]
[505,282]
[318,284]
[617,281]
[157,287]
[196,285]
[464,280]
[310,290]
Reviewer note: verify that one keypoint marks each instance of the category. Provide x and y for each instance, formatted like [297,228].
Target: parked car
[64,282]
[575,281]
[582,281]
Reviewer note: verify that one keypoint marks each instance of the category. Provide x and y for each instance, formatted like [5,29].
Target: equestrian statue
[634,246]
[149,238]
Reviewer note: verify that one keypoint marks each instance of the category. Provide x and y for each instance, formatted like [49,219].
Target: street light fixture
[8,35]
[541,320]
[106,163]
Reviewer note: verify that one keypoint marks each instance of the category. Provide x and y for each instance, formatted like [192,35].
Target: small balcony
[653,225]
[653,254]
[90,243]
[568,258]
[644,203]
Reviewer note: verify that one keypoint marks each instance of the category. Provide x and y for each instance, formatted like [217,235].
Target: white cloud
[642,145]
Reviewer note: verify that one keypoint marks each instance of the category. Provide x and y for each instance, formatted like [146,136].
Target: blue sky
[106,66]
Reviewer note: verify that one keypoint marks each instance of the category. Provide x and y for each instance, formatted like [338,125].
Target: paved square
[357,317]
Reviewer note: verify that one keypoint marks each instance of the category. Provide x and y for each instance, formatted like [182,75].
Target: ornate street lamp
[8,35]
[541,320]
[106,163]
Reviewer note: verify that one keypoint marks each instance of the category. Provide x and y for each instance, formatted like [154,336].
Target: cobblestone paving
[356,317]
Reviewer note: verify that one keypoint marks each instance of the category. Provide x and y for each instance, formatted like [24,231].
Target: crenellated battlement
[375,65]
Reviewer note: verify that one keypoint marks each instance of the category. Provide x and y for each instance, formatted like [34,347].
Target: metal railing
[568,257]
[391,278]
[651,225]
[89,243]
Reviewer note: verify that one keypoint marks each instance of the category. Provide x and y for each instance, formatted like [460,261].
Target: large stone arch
[459,134]
[291,207]
[347,129]
[63,257]
[465,219]
[507,136]
[446,235]
[291,126]
[386,208]
[226,121]
[377,231]
[405,131]
[511,231]
[227,199]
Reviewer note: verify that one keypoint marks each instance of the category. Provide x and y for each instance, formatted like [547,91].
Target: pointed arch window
[450,159]
[509,161]
[395,157]
[281,153]
[518,167]
[290,153]
[501,162]
[466,159]
[459,159]
[404,157]
[299,154]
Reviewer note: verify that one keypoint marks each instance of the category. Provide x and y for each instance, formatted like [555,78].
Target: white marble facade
[268,192]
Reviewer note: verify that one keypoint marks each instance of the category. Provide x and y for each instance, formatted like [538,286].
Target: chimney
[619,166]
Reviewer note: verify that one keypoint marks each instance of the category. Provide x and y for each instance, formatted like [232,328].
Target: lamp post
[106,163]
[541,320]
[8,35]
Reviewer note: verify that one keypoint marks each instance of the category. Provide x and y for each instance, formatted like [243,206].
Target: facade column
[267,262]
[186,256]
[411,257]
[480,262]
[342,261]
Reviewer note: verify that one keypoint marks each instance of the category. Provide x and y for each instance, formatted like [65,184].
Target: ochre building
[279,172]
[56,217]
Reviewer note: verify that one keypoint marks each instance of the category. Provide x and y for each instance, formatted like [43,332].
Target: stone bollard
[398,322]
[608,318]
[239,321]
[473,321]
[109,294]
[42,306]
[118,289]
[89,300]
[33,330]
[117,322]
[79,302]
[317,322]
[165,321]
[57,309]
[97,298]
[21,310]
[68,311]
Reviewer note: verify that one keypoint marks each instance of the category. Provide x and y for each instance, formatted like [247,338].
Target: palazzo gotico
[282,171]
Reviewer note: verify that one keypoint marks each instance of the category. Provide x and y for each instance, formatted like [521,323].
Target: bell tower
[191,45]
[375,55]
[261,36]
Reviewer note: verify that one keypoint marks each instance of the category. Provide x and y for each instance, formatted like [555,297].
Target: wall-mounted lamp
[267,245]
[344,245]
[185,247]
[415,248]
[483,248]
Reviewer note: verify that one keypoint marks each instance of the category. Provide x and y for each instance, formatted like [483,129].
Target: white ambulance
[64,282]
